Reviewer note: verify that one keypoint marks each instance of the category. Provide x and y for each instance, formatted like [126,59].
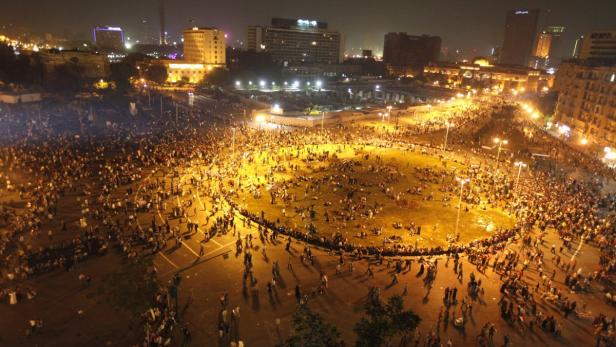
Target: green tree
[121,74]
[218,77]
[383,321]
[65,78]
[156,73]
[310,330]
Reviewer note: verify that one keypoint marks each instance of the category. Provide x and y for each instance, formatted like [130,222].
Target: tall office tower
[520,34]
[547,47]
[204,46]
[405,50]
[108,38]
[599,45]
[297,41]
[544,42]
[577,46]
[145,32]
[163,32]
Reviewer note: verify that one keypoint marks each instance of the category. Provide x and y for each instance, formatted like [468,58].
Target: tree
[66,78]
[156,73]
[24,69]
[310,330]
[121,74]
[219,77]
[383,321]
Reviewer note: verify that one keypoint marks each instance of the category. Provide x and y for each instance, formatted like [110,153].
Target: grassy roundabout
[385,194]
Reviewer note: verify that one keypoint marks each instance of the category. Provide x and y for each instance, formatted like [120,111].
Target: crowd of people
[119,171]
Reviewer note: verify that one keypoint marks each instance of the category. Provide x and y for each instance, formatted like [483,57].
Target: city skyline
[483,21]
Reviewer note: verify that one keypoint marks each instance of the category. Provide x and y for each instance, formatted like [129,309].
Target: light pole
[322,119]
[233,142]
[462,182]
[448,125]
[260,119]
[520,165]
[500,142]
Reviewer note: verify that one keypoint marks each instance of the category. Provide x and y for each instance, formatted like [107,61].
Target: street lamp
[448,125]
[462,182]
[233,142]
[520,165]
[500,142]
[260,119]
[322,120]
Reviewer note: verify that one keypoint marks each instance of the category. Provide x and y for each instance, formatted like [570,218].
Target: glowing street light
[319,84]
[238,84]
[610,154]
[520,165]
[584,141]
[448,125]
[500,143]
[564,130]
[261,83]
[462,182]
[233,141]
[260,118]
[276,109]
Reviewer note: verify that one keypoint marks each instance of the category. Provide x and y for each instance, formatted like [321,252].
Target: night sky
[474,26]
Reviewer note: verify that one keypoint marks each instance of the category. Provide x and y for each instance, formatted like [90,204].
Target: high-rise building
[546,48]
[577,46]
[544,41]
[585,100]
[295,41]
[599,45]
[108,38]
[402,51]
[520,35]
[146,36]
[163,31]
[204,46]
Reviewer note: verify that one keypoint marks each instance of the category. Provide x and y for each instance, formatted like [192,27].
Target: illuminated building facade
[544,42]
[178,71]
[520,35]
[587,100]
[293,41]
[205,46]
[109,38]
[599,45]
[481,75]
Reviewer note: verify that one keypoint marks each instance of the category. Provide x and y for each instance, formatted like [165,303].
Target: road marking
[168,260]
[216,242]
[190,249]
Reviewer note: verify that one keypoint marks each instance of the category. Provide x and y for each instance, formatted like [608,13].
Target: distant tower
[163,34]
[520,36]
